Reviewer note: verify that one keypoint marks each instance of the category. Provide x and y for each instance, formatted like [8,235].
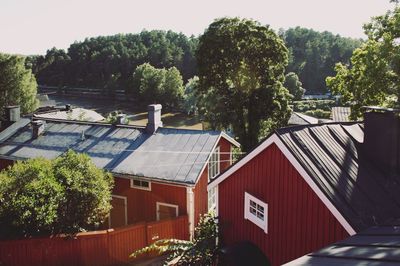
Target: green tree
[190,104]
[30,197]
[294,85]
[87,198]
[241,64]
[173,87]
[42,197]
[373,78]
[17,84]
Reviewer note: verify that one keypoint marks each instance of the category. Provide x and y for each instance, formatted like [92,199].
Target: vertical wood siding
[298,222]
[107,247]
[142,203]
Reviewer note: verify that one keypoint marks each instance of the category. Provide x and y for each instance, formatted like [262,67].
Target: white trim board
[300,169]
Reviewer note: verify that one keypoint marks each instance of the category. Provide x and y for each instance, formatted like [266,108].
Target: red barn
[159,172]
[305,187]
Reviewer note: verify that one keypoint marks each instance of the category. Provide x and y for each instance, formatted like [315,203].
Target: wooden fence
[106,247]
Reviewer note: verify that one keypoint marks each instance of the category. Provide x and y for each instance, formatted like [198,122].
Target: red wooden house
[159,172]
[305,187]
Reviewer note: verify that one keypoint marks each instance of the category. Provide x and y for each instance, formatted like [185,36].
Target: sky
[33,26]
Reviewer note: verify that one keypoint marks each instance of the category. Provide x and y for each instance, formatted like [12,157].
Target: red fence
[107,247]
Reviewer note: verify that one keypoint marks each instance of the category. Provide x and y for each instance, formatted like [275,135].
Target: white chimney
[121,119]
[154,118]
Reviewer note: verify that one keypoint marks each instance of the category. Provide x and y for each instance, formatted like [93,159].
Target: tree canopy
[294,85]
[41,197]
[373,77]
[153,85]
[313,55]
[17,84]
[241,64]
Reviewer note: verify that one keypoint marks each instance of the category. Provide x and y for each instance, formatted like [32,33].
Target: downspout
[190,210]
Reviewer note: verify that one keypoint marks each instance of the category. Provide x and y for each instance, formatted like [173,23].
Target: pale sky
[33,26]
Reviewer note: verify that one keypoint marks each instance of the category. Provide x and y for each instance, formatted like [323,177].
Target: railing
[106,247]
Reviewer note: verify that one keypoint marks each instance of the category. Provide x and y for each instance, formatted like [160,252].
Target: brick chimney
[154,118]
[37,128]
[382,138]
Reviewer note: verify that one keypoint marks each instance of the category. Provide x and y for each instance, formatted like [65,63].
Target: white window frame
[158,204]
[263,224]
[213,206]
[126,209]
[214,163]
[140,187]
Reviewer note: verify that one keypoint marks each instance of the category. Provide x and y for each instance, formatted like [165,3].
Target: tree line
[108,62]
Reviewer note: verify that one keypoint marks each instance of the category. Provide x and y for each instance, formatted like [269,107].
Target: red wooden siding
[298,222]
[142,203]
[200,190]
[107,247]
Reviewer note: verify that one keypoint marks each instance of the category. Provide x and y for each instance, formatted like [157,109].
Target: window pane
[253,211]
[260,215]
[260,208]
[145,184]
[136,183]
[253,204]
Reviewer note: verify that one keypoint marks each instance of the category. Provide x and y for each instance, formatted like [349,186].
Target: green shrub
[42,197]
[318,113]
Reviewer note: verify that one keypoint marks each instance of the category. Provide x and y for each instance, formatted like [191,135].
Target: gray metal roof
[79,114]
[173,155]
[333,156]
[375,246]
[341,114]
[301,119]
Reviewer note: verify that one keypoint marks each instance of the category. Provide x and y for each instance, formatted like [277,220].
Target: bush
[42,197]
[318,113]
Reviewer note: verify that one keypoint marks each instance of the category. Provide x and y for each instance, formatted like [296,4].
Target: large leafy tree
[17,84]
[373,78]
[241,64]
[41,197]
[294,85]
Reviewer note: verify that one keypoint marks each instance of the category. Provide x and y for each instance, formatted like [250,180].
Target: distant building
[341,114]
[302,119]
[159,172]
[68,113]
[309,186]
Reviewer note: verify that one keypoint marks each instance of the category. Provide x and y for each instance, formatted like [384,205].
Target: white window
[212,199]
[166,211]
[140,184]
[213,164]
[256,211]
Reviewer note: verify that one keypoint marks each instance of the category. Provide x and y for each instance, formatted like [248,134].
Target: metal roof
[172,155]
[341,114]
[333,156]
[79,114]
[301,119]
[376,246]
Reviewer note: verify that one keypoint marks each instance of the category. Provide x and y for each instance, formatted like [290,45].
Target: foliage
[154,85]
[87,197]
[294,85]
[200,251]
[17,84]
[190,99]
[241,68]
[30,197]
[374,74]
[109,61]
[112,117]
[307,105]
[313,55]
[318,113]
[41,197]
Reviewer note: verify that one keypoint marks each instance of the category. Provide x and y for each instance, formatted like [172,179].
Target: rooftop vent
[122,119]
[154,118]
[37,128]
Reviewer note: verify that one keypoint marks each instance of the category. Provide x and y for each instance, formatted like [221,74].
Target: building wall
[141,204]
[200,190]
[298,222]
[4,163]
